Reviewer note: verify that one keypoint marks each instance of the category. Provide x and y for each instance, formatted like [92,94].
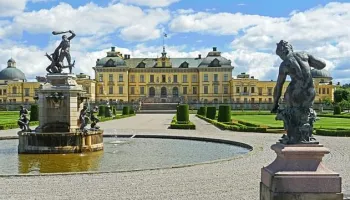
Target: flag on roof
[165,35]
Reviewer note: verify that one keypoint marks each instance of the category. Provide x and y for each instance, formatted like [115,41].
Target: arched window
[216,100]
[175,91]
[163,92]
[152,92]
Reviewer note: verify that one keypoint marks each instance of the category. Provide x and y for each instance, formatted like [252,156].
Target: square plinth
[298,173]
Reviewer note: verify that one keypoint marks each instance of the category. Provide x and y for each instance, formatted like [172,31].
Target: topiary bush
[34,113]
[114,109]
[108,111]
[336,110]
[101,110]
[202,111]
[131,111]
[211,112]
[182,114]
[126,110]
[224,113]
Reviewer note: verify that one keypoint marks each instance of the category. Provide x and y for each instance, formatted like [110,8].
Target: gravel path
[234,179]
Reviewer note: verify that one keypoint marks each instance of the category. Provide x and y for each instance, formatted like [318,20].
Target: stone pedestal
[299,174]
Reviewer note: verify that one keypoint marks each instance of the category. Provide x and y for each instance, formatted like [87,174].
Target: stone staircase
[153,108]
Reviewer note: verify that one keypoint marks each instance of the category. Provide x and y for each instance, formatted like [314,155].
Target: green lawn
[9,117]
[269,120]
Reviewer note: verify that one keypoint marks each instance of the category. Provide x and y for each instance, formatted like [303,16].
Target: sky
[245,31]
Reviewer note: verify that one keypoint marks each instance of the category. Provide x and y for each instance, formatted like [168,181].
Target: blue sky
[245,31]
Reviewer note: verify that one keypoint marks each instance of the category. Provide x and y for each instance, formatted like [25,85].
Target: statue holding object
[298,116]
[61,52]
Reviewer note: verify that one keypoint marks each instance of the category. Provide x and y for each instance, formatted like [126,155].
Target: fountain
[60,100]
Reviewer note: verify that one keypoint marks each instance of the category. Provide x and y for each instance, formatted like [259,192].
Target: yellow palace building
[205,79]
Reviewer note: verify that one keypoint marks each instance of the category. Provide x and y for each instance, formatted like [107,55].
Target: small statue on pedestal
[83,119]
[298,116]
[23,121]
[94,119]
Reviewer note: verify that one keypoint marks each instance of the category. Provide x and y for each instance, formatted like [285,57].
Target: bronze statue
[23,121]
[94,119]
[61,52]
[298,116]
[83,119]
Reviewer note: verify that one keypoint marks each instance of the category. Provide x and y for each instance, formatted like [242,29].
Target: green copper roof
[320,73]
[12,73]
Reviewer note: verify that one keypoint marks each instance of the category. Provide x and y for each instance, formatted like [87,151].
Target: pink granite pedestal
[299,174]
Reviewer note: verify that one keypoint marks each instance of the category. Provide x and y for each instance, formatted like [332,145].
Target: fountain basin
[60,142]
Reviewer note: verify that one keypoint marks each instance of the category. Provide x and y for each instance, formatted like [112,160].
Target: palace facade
[202,79]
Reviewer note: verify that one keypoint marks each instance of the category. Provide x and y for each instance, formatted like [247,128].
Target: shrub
[34,113]
[202,111]
[333,132]
[182,114]
[224,113]
[101,110]
[211,112]
[337,110]
[131,111]
[114,109]
[126,110]
[108,112]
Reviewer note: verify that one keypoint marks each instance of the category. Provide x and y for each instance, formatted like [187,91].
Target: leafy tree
[344,104]
[341,94]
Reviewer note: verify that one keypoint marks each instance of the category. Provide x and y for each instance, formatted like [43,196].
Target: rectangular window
[260,90]
[100,77]
[184,78]
[225,89]
[163,79]
[132,79]
[142,90]
[252,90]
[101,90]
[194,78]
[225,77]
[121,90]
[327,90]
[245,89]
[269,91]
[175,79]
[245,100]
[270,100]
[238,100]
[132,90]
[26,92]
[110,91]
[260,100]
[216,89]
[216,77]
[142,78]
[323,90]
[252,100]
[110,77]
[206,79]
[184,90]
[319,90]
[205,89]
[151,78]
[0,93]
[4,92]
[194,90]
[120,78]
[237,90]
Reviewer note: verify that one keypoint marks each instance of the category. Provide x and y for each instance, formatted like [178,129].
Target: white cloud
[150,3]
[89,19]
[11,7]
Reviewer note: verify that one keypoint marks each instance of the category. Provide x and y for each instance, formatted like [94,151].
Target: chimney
[125,56]
[113,49]
[214,48]
[128,56]
[252,77]
[199,56]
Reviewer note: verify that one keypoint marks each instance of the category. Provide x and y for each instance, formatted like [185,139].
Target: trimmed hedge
[108,112]
[101,110]
[333,132]
[224,113]
[34,112]
[182,114]
[333,116]
[233,127]
[252,113]
[211,112]
[126,110]
[175,125]
[202,111]
[114,110]
[336,110]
